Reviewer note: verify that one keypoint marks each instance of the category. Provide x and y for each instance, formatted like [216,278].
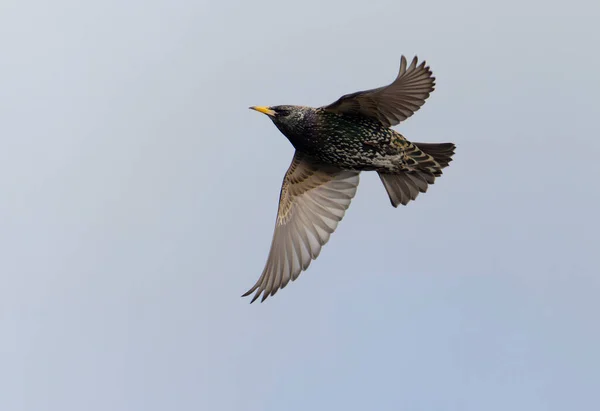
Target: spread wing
[393,103]
[313,200]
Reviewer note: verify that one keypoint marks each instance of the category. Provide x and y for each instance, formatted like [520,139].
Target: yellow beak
[264,110]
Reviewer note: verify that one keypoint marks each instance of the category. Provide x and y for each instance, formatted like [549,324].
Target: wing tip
[250,291]
[413,67]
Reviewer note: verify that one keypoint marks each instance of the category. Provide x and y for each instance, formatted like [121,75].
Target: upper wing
[313,200]
[393,103]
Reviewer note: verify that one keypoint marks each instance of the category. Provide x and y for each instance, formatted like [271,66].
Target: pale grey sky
[139,197]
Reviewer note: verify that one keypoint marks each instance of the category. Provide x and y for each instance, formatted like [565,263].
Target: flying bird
[333,144]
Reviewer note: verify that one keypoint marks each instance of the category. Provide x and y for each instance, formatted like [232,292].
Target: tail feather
[406,185]
[442,153]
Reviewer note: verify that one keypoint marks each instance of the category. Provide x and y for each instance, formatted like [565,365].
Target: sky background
[139,196]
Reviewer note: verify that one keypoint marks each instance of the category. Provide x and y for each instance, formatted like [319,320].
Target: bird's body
[333,145]
[346,141]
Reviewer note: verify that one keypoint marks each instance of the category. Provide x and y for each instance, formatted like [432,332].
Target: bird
[333,145]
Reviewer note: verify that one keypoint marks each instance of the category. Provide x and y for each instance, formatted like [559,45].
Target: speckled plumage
[350,142]
[333,145]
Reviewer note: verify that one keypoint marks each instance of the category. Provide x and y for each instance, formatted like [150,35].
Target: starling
[333,144]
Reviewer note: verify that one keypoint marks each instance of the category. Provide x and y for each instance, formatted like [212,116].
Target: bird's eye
[283,112]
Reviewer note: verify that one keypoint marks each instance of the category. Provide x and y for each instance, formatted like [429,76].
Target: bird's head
[288,119]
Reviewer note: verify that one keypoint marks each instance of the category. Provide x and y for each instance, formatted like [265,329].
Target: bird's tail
[425,163]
